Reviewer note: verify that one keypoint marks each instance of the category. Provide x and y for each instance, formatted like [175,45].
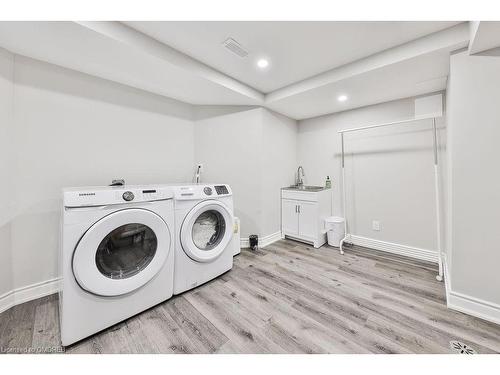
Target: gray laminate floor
[285,298]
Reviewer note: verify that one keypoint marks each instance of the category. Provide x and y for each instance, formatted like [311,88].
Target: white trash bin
[335,230]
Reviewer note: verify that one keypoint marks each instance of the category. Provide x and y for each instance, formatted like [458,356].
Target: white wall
[6,109]
[72,129]
[279,163]
[229,147]
[389,171]
[474,137]
[254,151]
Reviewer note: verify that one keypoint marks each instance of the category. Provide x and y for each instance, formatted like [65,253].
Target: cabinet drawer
[307,196]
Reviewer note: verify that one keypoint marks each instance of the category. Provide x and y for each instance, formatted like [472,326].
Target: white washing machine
[203,230]
[116,256]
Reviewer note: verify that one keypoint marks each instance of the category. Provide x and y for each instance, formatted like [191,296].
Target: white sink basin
[305,188]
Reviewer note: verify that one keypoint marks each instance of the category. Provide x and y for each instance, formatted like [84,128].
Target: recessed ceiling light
[342,98]
[262,63]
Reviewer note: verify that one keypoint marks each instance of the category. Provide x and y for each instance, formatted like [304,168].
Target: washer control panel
[221,189]
[198,191]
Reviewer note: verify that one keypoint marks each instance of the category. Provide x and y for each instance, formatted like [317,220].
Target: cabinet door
[308,220]
[289,217]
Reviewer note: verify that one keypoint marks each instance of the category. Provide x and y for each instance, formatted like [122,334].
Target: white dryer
[116,255]
[204,228]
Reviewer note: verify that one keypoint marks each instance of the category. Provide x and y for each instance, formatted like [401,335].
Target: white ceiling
[428,74]
[80,48]
[311,62]
[415,68]
[296,50]
[485,35]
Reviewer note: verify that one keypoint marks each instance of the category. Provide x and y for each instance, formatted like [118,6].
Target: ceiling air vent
[236,48]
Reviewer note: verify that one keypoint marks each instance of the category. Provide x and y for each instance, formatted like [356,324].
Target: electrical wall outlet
[376,225]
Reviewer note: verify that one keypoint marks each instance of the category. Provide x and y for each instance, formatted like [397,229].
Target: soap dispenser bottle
[328,182]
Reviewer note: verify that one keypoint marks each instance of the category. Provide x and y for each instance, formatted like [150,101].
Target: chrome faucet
[197,175]
[300,176]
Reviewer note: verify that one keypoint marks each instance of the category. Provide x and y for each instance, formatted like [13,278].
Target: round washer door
[121,252]
[206,231]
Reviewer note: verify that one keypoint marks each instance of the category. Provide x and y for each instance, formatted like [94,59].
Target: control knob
[128,196]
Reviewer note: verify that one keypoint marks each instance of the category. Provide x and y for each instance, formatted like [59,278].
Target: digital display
[221,190]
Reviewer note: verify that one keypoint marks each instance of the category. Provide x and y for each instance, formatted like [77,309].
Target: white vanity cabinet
[303,214]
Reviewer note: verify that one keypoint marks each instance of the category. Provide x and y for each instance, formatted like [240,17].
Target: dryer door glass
[126,251]
[208,230]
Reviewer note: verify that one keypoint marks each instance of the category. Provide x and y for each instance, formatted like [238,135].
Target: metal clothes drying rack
[439,277]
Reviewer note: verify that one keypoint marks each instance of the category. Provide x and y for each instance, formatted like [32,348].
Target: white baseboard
[263,241]
[467,304]
[474,306]
[28,293]
[413,252]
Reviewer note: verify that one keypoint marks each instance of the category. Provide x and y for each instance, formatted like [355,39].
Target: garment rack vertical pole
[341,246]
[439,277]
